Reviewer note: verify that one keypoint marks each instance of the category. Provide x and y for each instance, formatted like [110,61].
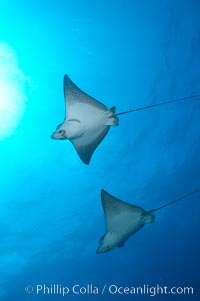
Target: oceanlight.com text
[107,289]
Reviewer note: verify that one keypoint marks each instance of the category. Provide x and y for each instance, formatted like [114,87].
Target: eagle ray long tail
[177,200]
[158,104]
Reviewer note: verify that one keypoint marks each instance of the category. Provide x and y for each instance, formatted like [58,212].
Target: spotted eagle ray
[123,220]
[87,121]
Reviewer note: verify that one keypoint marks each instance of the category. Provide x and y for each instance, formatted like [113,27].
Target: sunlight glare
[12,91]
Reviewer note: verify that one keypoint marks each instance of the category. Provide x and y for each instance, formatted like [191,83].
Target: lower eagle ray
[87,121]
[123,220]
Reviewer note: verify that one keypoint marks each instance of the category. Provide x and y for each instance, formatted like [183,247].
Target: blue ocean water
[123,53]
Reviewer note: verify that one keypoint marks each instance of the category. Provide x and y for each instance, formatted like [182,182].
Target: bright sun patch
[12,91]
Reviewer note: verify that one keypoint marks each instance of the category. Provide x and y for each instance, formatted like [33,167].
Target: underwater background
[127,54]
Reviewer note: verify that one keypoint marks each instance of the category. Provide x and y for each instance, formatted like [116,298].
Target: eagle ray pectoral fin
[101,239]
[121,244]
